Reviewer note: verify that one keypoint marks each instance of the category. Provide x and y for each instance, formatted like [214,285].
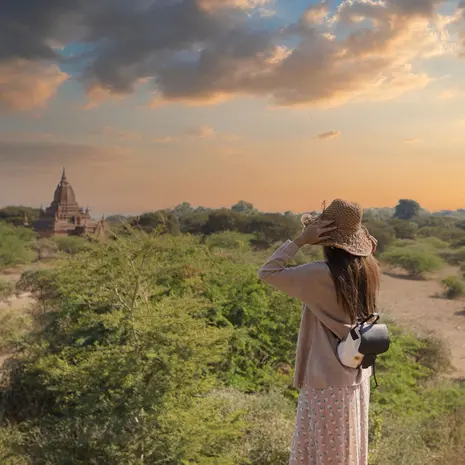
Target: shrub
[453,257]
[72,244]
[46,248]
[269,423]
[454,287]
[404,229]
[15,246]
[383,232]
[6,290]
[460,255]
[14,324]
[434,242]
[416,262]
[444,233]
[405,243]
[228,240]
[457,243]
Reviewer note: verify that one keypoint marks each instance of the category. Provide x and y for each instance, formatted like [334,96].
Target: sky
[283,103]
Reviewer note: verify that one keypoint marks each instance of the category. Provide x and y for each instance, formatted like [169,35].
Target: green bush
[156,350]
[454,287]
[405,243]
[72,244]
[14,325]
[447,234]
[6,289]
[404,229]
[453,257]
[229,240]
[434,242]
[383,231]
[416,262]
[269,419]
[414,413]
[460,255]
[16,245]
[46,248]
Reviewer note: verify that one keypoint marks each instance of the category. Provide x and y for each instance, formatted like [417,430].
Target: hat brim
[358,243]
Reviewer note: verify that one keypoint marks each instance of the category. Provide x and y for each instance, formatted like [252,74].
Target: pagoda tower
[64,205]
[64,216]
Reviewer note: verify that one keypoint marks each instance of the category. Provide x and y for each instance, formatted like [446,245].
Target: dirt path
[415,304]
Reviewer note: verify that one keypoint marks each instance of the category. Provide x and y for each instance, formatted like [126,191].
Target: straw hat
[350,234]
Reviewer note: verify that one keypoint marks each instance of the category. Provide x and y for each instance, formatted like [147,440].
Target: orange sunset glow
[281,103]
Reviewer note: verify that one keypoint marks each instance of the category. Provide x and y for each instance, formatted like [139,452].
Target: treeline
[407,221]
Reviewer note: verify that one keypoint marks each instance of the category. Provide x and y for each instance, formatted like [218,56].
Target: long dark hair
[356,279]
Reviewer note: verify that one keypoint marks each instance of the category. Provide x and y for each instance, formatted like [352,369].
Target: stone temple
[64,216]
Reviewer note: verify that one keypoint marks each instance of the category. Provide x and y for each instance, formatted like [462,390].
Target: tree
[160,221]
[222,220]
[406,209]
[415,261]
[193,223]
[404,229]
[16,245]
[244,207]
[16,215]
[382,231]
[182,209]
[122,371]
[272,227]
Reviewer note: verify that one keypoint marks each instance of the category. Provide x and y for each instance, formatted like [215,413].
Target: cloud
[372,60]
[43,155]
[446,95]
[25,85]
[202,132]
[329,135]
[122,135]
[411,140]
[452,93]
[163,140]
[206,51]
[210,133]
[211,5]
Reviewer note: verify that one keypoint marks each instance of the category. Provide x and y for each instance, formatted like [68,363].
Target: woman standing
[332,414]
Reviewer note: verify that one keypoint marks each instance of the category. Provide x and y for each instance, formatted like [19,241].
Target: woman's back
[324,320]
[356,280]
[332,416]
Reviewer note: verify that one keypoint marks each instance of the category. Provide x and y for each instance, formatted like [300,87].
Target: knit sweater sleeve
[294,281]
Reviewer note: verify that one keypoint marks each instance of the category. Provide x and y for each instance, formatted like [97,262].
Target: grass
[417,416]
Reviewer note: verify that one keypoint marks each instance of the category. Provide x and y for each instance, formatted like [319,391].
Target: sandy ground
[418,305]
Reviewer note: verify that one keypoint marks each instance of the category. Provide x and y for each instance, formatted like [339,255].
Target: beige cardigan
[322,320]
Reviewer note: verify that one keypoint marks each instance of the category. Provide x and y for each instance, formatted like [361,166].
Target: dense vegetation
[162,347]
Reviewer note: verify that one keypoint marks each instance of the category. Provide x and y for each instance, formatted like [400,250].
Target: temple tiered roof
[64,216]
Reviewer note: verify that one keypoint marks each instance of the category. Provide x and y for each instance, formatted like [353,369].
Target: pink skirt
[332,426]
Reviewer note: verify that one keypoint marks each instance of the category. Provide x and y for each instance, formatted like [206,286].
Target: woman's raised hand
[315,233]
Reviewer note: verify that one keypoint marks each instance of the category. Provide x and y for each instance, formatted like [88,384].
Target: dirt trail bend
[416,305]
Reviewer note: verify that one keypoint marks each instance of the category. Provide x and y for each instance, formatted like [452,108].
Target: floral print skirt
[332,426]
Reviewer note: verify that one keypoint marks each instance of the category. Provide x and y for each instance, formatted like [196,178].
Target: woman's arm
[293,280]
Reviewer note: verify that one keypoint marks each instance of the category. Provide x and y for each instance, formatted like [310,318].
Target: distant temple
[64,216]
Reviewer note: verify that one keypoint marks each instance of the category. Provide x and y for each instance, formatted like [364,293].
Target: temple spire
[63,175]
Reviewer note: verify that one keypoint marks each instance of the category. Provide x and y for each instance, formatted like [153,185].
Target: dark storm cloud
[29,27]
[206,49]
